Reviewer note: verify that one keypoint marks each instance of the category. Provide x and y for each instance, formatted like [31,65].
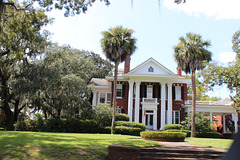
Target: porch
[228,116]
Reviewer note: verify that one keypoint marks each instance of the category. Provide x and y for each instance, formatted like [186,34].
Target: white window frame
[102,96]
[108,99]
[175,116]
[119,87]
[178,93]
[149,88]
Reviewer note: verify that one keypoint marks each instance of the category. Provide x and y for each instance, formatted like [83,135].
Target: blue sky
[156,29]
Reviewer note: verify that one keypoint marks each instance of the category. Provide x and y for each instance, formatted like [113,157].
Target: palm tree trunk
[114,96]
[193,127]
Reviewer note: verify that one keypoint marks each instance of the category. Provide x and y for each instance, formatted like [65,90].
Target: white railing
[149,100]
[199,102]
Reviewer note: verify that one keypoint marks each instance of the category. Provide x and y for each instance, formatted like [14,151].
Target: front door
[149,119]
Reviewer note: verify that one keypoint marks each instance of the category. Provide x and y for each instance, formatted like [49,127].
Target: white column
[154,119]
[130,100]
[169,120]
[211,120]
[235,122]
[137,101]
[163,104]
[224,124]
[94,99]
[143,116]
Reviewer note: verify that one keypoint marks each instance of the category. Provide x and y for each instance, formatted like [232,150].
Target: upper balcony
[149,100]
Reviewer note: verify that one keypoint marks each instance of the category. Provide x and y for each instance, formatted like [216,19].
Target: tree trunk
[9,117]
[114,96]
[193,127]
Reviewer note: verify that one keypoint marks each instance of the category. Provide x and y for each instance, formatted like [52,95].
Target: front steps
[162,153]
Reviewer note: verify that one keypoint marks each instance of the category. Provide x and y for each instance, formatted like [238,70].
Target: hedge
[176,130]
[172,126]
[130,124]
[121,117]
[162,135]
[208,134]
[199,134]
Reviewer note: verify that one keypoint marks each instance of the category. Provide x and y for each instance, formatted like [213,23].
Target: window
[108,98]
[178,93]
[175,117]
[149,91]
[150,69]
[102,97]
[119,90]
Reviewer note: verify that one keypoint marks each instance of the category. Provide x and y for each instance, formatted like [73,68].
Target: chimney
[127,64]
[179,71]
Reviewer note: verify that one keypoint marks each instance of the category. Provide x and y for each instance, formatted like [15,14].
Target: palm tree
[191,55]
[117,44]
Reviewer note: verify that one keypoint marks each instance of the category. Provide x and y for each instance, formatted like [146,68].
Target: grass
[39,145]
[210,142]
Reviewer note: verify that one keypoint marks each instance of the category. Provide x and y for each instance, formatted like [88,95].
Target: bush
[127,130]
[121,117]
[103,115]
[163,135]
[208,135]
[172,126]
[202,123]
[54,125]
[184,131]
[130,124]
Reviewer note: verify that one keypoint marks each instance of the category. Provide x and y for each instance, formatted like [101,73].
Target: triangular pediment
[151,66]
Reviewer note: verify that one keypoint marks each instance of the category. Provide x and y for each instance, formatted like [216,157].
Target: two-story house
[150,93]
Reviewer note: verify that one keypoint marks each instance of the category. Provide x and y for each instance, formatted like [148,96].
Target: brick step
[172,158]
[179,155]
[187,151]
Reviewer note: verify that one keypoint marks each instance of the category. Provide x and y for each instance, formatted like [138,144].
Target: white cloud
[218,9]
[226,57]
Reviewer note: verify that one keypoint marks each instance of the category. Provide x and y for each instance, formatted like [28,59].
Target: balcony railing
[199,102]
[149,100]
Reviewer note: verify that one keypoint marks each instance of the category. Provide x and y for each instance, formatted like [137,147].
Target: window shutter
[141,96]
[154,92]
[182,93]
[123,90]
[145,91]
[159,91]
[173,93]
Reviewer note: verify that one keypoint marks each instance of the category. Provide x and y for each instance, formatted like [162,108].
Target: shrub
[172,126]
[184,131]
[127,130]
[202,123]
[121,117]
[54,125]
[103,115]
[208,135]
[75,125]
[130,124]
[162,135]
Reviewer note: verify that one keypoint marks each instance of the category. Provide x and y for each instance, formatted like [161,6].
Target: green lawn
[210,142]
[39,145]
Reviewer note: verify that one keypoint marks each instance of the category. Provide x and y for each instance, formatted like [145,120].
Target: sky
[157,28]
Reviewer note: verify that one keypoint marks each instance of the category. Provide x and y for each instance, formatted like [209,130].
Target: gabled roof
[158,68]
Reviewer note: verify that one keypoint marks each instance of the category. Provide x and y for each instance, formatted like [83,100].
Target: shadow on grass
[39,145]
